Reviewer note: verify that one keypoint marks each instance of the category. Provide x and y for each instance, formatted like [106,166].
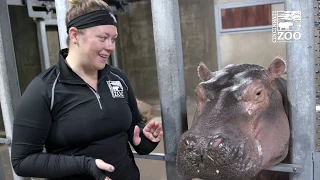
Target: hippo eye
[258,93]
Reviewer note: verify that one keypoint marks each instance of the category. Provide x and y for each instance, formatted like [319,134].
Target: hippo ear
[203,72]
[277,67]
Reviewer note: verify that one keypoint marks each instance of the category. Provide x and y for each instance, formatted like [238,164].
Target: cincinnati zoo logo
[286,26]
[116,89]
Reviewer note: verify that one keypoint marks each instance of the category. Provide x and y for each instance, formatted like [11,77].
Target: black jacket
[76,124]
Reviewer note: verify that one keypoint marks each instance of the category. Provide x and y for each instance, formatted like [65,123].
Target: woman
[83,111]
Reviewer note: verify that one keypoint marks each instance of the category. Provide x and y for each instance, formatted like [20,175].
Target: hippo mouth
[220,159]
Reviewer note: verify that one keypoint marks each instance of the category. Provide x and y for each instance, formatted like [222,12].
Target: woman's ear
[73,35]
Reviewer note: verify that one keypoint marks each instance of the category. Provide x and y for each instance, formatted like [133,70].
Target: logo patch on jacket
[116,89]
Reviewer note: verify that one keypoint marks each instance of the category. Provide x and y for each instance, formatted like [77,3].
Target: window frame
[218,21]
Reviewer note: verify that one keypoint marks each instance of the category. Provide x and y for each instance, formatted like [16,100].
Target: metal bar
[61,10]
[155,156]
[316,165]
[152,156]
[291,168]
[246,29]
[9,55]
[301,90]
[114,58]
[16,2]
[225,5]
[50,22]
[282,167]
[168,48]
[5,141]
[2,177]
[9,85]
[43,44]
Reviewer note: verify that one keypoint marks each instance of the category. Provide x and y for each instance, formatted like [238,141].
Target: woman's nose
[110,45]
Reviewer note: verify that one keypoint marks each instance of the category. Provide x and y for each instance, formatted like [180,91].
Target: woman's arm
[30,129]
[146,146]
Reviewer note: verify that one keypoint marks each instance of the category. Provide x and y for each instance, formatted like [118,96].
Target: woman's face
[96,44]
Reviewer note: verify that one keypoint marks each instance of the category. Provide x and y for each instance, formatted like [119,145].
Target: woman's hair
[81,7]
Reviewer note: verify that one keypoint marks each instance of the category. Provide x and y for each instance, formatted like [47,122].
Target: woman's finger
[157,130]
[149,126]
[158,139]
[104,166]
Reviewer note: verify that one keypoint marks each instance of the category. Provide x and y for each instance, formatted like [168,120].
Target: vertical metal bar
[114,58]
[301,90]
[317,165]
[9,53]
[9,85]
[61,10]
[170,69]
[43,44]
[1,167]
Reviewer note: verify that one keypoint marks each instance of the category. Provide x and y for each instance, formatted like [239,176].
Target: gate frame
[303,150]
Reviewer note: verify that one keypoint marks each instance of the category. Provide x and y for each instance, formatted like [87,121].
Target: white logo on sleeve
[116,89]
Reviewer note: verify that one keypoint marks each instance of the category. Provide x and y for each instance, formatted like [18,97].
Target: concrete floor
[149,169]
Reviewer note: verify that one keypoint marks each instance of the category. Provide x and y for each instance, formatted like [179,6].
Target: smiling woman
[82,110]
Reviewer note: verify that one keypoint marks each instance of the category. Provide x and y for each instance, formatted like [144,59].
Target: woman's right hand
[98,167]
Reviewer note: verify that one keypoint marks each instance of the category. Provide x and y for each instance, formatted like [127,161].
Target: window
[243,17]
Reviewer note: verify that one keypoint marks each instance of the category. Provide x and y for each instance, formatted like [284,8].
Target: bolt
[294,169]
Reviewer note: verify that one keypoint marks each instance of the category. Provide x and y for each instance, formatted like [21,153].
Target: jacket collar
[67,75]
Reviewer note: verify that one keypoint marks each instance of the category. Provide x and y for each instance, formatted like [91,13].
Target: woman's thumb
[136,136]
[104,166]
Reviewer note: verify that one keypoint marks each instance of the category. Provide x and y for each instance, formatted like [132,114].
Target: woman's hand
[153,131]
[98,167]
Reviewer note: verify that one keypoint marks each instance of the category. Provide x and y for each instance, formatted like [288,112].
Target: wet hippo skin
[240,126]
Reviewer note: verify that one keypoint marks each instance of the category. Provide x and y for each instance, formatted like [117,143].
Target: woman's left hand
[153,131]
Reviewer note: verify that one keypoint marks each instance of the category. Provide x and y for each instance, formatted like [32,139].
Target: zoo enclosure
[301,78]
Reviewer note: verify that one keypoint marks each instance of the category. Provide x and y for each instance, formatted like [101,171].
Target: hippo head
[240,126]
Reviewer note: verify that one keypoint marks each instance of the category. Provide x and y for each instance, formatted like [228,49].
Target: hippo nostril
[215,142]
[190,142]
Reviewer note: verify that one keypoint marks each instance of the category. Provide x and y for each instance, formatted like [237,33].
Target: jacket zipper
[97,96]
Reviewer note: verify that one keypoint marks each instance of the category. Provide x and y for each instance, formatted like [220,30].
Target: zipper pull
[98,95]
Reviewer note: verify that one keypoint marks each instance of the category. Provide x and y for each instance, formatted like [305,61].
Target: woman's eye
[103,38]
[114,40]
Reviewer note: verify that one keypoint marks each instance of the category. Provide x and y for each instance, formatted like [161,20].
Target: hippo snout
[217,156]
[192,141]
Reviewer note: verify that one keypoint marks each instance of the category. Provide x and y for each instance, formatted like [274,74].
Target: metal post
[9,84]
[43,44]
[61,10]
[114,58]
[168,48]
[1,167]
[301,91]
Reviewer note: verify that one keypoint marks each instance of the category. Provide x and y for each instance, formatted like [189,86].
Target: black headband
[94,18]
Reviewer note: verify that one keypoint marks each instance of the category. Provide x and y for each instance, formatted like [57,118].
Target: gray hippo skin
[240,126]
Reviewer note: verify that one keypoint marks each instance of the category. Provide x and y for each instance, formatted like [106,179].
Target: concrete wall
[255,48]
[136,45]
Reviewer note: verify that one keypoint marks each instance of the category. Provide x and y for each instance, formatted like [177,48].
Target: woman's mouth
[103,57]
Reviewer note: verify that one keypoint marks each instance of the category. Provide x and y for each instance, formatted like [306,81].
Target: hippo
[240,125]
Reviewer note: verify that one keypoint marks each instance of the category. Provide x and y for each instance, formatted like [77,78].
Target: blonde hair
[81,7]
